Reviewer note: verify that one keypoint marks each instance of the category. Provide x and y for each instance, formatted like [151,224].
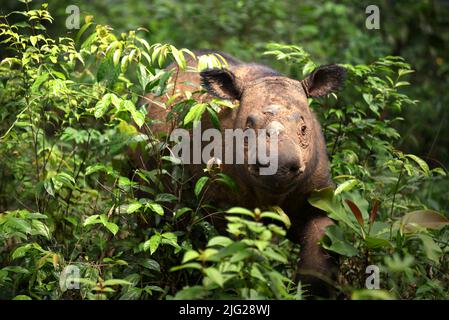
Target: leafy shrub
[67,198]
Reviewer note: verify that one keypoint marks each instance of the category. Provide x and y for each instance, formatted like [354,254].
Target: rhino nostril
[294,168]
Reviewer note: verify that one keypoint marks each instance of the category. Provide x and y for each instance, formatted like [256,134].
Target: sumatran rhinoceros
[269,100]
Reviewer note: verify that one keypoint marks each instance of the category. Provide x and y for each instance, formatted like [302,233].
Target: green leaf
[334,241]
[277,214]
[214,118]
[133,207]
[195,113]
[102,105]
[190,255]
[192,293]
[324,199]
[101,167]
[200,185]
[38,82]
[93,219]
[111,227]
[40,228]
[376,243]
[219,241]
[115,282]
[21,251]
[155,207]
[228,181]
[179,57]
[273,255]
[15,269]
[241,211]
[431,249]
[165,197]
[190,265]
[19,224]
[33,40]
[81,31]
[107,70]
[231,250]
[422,164]
[21,297]
[255,273]
[215,276]
[153,243]
[132,293]
[138,117]
[367,294]
[180,212]
[171,239]
[346,186]
[151,265]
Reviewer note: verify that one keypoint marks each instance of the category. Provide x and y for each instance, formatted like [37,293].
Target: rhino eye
[303,129]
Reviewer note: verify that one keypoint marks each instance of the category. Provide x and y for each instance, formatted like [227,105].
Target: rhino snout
[289,164]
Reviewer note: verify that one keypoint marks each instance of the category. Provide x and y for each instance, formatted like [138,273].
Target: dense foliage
[70,196]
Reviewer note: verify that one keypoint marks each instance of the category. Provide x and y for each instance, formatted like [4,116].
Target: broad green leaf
[133,207]
[21,297]
[21,251]
[255,273]
[200,185]
[19,224]
[111,227]
[155,207]
[195,113]
[375,243]
[225,179]
[38,82]
[153,243]
[180,212]
[242,211]
[91,220]
[278,215]
[102,105]
[219,241]
[115,282]
[431,249]
[334,241]
[346,186]
[165,197]
[138,117]
[190,265]
[367,294]
[190,255]
[40,228]
[215,275]
[214,118]
[422,164]
[171,239]
[324,199]
[271,254]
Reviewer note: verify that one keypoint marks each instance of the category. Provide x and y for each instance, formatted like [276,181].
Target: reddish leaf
[355,210]
[374,210]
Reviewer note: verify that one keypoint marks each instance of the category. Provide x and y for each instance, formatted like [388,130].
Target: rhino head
[279,105]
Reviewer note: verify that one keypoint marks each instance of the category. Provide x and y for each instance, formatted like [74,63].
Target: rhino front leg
[317,268]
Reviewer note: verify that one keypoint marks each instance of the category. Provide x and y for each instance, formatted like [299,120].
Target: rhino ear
[324,80]
[220,83]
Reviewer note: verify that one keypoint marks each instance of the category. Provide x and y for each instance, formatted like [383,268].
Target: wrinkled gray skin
[268,99]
